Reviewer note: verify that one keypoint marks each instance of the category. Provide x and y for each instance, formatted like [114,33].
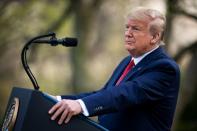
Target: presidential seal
[11,115]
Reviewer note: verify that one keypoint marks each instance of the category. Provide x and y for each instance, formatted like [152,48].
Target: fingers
[66,109]
[54,108]
[57,113]
[61,108]
[68,117]
[63,116]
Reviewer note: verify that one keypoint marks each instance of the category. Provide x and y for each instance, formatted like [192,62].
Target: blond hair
[157,20]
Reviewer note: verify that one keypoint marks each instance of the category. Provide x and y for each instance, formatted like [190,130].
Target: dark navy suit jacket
[145,100]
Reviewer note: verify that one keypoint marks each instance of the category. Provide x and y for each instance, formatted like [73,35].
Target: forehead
[133,22]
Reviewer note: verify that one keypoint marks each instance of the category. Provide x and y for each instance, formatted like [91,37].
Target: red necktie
[127,69]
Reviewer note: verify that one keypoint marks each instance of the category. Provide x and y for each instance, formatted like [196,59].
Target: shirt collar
[139,58]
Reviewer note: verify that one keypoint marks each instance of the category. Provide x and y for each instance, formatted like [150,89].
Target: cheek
[143,40]
[141,44]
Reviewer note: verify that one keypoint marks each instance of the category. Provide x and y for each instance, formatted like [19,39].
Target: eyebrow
[138,26]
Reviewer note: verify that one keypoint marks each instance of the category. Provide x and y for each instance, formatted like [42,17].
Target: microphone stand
[24,59]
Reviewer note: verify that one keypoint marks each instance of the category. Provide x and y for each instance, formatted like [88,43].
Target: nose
[128,33]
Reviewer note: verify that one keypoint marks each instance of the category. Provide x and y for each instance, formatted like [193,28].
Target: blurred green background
[99,26]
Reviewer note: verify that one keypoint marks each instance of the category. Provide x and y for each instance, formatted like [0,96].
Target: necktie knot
[130,65]
[125,72]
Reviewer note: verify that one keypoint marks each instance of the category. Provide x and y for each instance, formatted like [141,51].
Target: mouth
[129,42]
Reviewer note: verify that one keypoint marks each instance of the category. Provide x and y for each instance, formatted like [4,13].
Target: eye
[126,27]
[135,28]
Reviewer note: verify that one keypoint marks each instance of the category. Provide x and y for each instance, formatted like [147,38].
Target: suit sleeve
[82,95]
[151,86]
[78,96]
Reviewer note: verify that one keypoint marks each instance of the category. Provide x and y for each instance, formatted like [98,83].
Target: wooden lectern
[27,110]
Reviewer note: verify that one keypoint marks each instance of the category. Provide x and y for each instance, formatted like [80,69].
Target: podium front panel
[31,114]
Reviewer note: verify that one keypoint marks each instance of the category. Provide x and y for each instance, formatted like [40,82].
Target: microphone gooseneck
[68,42]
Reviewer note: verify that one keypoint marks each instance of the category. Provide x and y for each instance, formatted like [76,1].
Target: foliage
[99,26]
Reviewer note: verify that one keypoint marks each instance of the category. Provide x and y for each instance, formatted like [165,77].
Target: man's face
[137,37]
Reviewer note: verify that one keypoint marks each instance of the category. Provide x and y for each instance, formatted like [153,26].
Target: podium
[27,110]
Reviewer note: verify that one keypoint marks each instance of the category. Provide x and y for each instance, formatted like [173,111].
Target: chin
[131,52]
[129,47]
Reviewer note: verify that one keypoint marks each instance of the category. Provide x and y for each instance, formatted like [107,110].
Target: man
[142,92]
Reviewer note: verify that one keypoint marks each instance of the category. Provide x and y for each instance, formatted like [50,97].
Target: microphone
[68,42]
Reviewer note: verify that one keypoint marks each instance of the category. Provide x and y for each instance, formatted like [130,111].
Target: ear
[155,38]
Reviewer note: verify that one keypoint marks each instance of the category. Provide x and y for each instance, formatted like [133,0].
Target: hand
[65,108]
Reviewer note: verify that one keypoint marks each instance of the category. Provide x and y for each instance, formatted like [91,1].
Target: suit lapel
[120,70]
[144,62]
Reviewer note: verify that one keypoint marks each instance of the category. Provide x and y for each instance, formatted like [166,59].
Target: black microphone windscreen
[70,42]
